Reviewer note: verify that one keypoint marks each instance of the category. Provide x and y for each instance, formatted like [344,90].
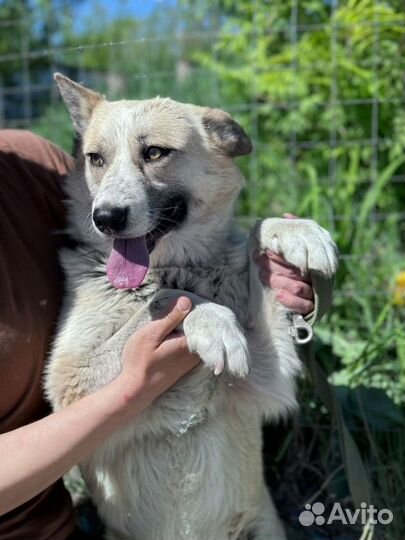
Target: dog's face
[153,165]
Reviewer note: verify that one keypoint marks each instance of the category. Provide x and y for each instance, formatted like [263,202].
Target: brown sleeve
[31,213]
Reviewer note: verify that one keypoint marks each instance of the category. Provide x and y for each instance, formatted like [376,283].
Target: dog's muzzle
[110,220]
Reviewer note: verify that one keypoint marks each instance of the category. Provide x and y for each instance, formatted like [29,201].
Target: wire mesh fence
[31,60]
[181,49]
[185,57]
[317,84]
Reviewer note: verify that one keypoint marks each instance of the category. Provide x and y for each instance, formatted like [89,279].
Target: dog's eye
[96,160]
[155,152]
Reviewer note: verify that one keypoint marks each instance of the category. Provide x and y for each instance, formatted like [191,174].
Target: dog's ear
[79,100]
[225,133]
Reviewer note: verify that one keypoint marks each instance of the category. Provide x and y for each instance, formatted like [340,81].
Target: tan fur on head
[224,132]
[80,100]
[201,143]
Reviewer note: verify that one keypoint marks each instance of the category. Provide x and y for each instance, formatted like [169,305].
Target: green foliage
[322,95]
[134,58]
[11,13]
[56,126]
[327,109]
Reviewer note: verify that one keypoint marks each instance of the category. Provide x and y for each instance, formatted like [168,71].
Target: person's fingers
[289,271]
[293,286]
[177,353]
[175,349]
[175,343]
[276,257]
[279,266]
[296,304]
[294,289]
[275,263]
[160,328]
[264,259]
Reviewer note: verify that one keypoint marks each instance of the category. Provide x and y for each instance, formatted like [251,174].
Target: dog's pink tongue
[128,263]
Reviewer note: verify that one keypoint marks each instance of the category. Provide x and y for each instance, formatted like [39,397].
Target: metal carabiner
[300,330]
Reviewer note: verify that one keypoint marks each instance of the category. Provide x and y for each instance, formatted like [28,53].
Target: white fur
[190,466]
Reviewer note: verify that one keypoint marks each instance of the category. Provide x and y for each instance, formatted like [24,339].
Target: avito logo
[315,513]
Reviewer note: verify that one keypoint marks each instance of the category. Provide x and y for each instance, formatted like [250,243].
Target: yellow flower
[400,280]
[399,291]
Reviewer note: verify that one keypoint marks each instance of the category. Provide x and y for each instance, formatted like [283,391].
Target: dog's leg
[275,362]
[78,367]
[267,525]
[269,386]
[213,332]
[302,242]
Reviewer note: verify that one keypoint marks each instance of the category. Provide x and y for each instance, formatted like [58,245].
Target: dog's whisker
[157,211]
[170,220]
[159,230]
[88,221]
[164,208]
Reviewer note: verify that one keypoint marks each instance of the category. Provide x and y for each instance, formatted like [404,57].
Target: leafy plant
[321,92]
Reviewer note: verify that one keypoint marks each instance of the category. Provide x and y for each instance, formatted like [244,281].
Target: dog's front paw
[213,332]
[302,242]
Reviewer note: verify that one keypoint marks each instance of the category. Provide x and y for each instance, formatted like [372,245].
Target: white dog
[151,206]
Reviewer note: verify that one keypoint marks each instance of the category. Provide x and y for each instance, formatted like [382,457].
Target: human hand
[156,356]
[294,290]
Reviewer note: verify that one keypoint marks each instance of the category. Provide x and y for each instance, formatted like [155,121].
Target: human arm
[36,455]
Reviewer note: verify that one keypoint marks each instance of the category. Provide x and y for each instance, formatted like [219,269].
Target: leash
[356,475]
[300,330]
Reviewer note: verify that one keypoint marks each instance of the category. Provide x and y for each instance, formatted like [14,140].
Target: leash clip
[300,330]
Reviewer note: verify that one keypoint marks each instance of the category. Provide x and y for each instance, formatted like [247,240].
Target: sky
[119,8]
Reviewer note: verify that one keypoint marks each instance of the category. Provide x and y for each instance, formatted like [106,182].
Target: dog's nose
[110,220]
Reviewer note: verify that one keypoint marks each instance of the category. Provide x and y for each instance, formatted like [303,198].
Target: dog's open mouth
[128,263]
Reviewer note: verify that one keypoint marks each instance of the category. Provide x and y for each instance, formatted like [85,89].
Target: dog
[151,206]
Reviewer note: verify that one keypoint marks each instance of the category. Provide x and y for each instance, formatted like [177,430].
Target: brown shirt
[31,211]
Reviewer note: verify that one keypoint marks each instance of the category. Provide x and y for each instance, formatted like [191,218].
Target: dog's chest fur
[222,278]
[169,450]
[223,283]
